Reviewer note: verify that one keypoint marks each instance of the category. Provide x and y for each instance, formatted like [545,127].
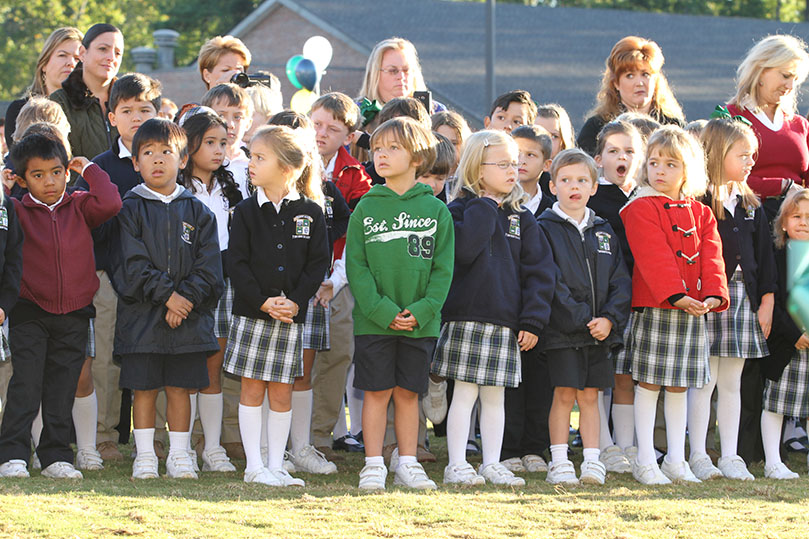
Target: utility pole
[490,37]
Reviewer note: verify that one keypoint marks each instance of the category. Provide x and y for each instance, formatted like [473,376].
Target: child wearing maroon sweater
[48,325]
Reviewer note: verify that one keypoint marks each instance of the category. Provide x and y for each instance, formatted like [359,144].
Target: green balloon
[292,64]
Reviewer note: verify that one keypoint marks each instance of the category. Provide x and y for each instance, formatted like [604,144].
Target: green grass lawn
[108,503]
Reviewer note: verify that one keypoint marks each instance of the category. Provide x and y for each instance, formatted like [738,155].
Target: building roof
[556,53]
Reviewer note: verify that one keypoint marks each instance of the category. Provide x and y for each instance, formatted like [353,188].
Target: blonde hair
[370,84]
[57,37]
[215,48]
[415,138]
[717,138]
[789,206]
[40,109]
[474,153]
[770,52]
[293,149]
[557,112]
[574,156]
[631,53]
[676,143]
[454,121]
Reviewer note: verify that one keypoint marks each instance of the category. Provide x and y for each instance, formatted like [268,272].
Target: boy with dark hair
[49,323]
[510,111]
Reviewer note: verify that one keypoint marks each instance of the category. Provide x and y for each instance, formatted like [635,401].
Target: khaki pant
[331,369]
[106,372]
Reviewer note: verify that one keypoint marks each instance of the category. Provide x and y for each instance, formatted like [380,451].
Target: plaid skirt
[91,339]
[790,394]
[223,312]
[316,327]
[268,350]
[669,347]
[736,332]
[478,353]
[623,365]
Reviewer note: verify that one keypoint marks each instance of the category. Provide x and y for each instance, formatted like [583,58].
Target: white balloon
[318,49]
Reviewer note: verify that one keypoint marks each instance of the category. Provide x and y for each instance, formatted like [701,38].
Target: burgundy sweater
[59,273]
[781,154]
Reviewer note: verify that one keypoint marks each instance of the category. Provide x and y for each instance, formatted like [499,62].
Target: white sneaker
[462,474]
[62,470]
[310,460]
[703,468]
[145,467]
[514,464]
[262,475]
[192,455]
[89,459]
[14,468]
[286,480]
[288,465]
[534,464]
[393,465]
[678,472]
[779,471]
[733,467]
[372,477]
[435,403]
[649,474]
[216,460]
[614,460]
[593,472]
[412,475]
[179,466]
[35,464]
[497,474]
[562,473]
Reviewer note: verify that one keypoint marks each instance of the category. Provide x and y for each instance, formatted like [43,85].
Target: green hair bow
[369,109]
[723,113]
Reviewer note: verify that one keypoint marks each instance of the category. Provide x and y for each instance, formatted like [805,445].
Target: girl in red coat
[679,276]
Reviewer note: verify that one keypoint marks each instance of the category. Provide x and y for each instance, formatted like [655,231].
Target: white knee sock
[85,420]
[250,429]
[278,425]
[729,403]
[144,441]
[604,438]
[178,442]
[558,453]
[699,410]
[492,422]
[265,416]
[645,409]
[623,424]
[771,436]
[458,418]
[192,398]
[302,424]
[675,408]
[36,427]
[210,415]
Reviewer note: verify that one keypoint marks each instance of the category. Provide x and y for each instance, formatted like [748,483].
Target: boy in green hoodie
[399,260]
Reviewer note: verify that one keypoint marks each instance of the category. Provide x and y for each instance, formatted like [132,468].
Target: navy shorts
[385,361]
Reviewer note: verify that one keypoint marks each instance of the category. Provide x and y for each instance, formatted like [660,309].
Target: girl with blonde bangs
[674,142]
[470,167]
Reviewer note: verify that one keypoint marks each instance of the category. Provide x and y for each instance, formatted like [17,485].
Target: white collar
[165,199]
[262,198]
[49,206]
[580,226]
[123,151]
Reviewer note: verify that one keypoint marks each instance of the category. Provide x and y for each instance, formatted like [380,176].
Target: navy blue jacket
[504,272]
[166,248]
[746,241]
[592,281]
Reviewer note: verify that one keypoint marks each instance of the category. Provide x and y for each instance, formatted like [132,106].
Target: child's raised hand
[692,306]
[803,342]
[325,293]
[173,320]
[526,340]
[77,164]
[179,305]
[600,328]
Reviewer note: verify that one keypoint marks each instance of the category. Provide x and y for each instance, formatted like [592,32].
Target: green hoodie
[399,255]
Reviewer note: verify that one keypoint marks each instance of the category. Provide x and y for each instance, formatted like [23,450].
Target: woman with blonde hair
[633,81]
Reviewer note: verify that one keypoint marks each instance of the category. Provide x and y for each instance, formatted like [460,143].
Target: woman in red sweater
[767,83]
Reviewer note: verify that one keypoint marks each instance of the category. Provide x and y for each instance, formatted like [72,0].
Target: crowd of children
[232,262]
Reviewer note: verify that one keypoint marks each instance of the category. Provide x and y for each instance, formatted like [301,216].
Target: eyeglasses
[504,164]
[394,71]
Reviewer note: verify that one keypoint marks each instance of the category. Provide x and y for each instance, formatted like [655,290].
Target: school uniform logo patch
[3,218]
[604,242]
[303,225]
[188,230]
[513,227]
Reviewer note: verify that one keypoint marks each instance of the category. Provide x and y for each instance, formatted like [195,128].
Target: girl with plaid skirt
[498,303]
[786,388]
[302,454]
[679,276]
[277,257]
[207,178]
[739,332]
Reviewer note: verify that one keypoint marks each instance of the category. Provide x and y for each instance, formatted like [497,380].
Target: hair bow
[369,109]
[723,113]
